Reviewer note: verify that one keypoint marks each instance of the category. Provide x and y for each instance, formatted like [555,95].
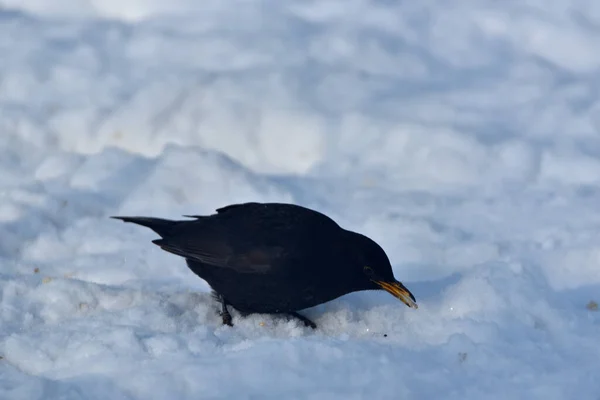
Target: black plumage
[275,257]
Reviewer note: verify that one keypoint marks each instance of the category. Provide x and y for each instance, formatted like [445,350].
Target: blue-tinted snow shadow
[424,291]
[581,299]
[16,384]
[53,215]
[64,204]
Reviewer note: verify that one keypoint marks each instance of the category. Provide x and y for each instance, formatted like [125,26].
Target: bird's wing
[231,207]
[220,254]
[238,206]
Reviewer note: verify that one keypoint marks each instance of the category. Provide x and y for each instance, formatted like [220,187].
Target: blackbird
[275,258]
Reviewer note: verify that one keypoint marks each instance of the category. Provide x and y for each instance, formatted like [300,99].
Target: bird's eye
[368,271]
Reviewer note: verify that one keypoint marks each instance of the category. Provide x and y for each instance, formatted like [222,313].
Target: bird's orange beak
[399,291]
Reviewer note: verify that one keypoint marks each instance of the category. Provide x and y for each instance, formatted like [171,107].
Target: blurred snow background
[463,136]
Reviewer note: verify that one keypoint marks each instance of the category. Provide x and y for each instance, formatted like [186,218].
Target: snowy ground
[463,136]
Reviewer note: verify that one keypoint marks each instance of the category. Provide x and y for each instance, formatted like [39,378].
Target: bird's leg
[224,311]
[302,318]
[225,314]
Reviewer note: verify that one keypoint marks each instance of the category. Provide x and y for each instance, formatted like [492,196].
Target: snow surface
[463,136]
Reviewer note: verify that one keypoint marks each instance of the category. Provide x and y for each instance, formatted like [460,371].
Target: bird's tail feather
[158,225]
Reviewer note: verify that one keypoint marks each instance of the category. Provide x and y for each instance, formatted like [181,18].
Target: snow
[464,137]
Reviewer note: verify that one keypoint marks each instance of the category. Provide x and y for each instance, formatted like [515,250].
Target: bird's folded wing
[219,254]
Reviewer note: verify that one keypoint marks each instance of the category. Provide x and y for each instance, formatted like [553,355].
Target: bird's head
[376,271]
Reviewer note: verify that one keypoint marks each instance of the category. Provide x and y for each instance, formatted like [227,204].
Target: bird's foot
[227,320]
[307,322]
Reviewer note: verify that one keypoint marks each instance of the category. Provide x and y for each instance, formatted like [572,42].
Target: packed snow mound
[128,10]
[463,138]
[90,308]
[363,87]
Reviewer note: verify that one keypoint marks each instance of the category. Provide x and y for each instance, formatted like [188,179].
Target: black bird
[276,258]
